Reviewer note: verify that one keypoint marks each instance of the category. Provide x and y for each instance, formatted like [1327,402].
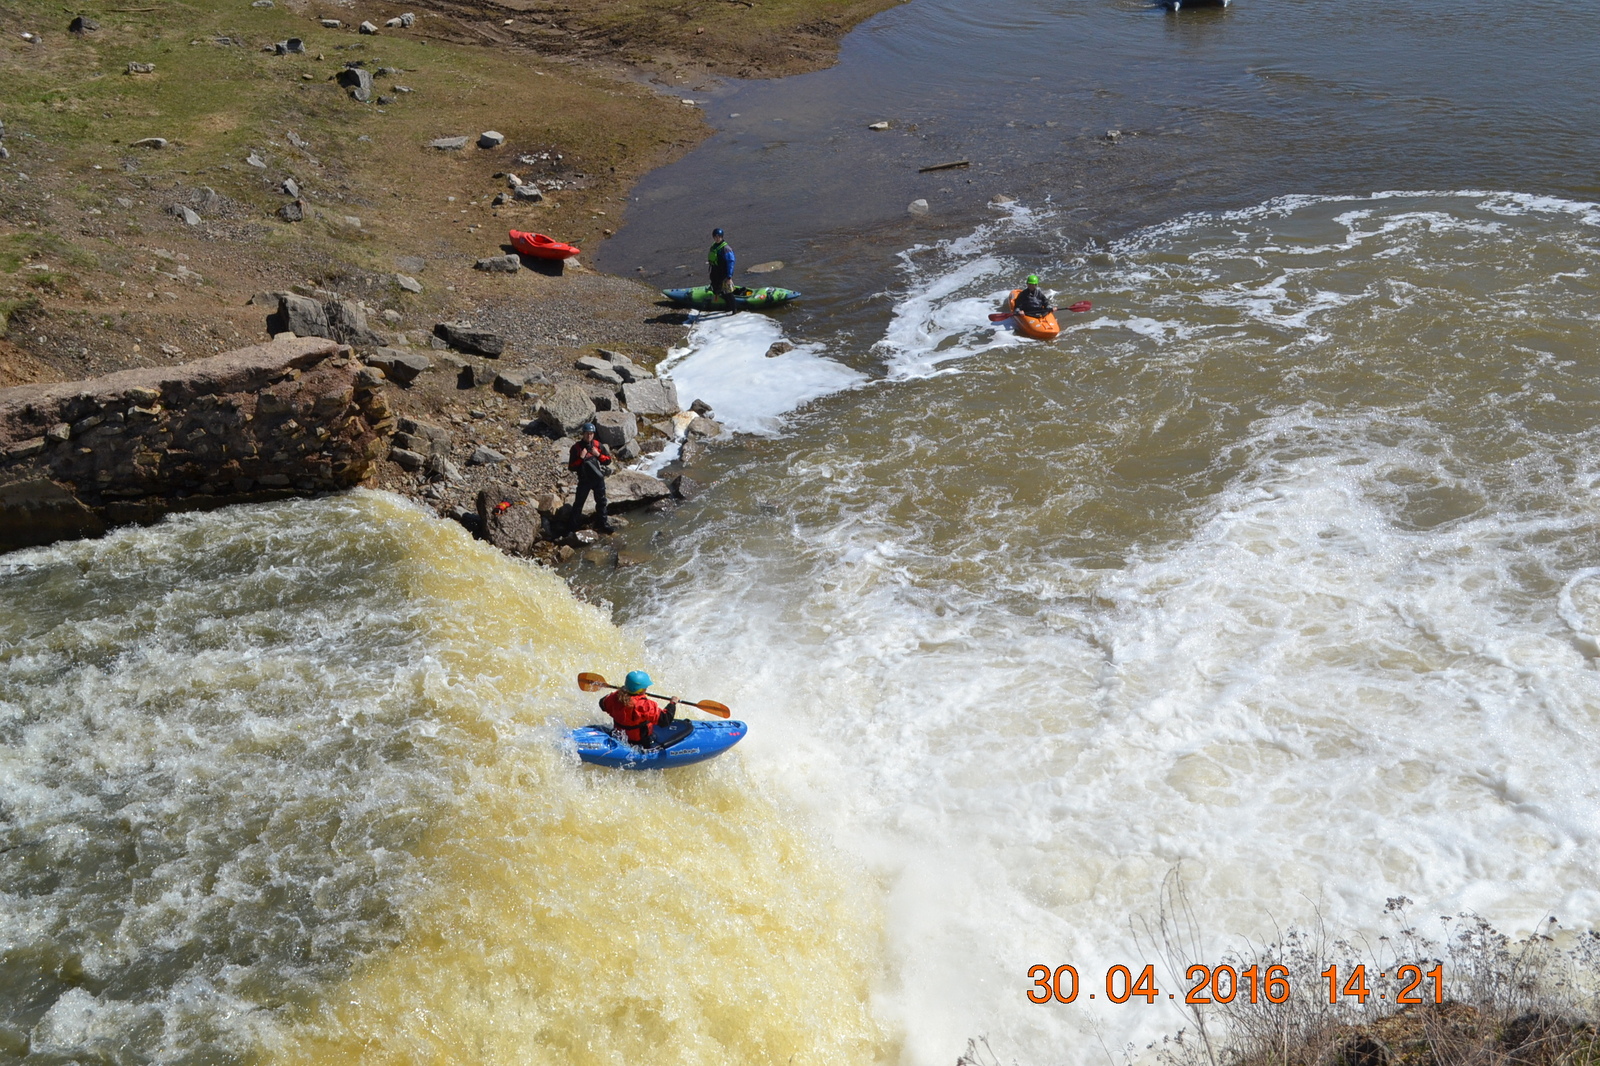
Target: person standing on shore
[635,712]
[590,458]
[720,261]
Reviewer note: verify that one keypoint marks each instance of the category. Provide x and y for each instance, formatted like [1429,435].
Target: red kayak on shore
[539,246]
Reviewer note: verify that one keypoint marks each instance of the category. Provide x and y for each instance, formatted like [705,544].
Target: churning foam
[1279,573]
[289,783]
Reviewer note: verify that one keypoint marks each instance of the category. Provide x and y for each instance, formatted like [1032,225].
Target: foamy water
[1276,573]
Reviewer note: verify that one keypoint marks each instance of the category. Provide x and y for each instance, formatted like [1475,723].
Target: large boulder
[300,315]
[565,411]
[464,337]
[357,82]
[629,488]
[347,323]
[652,397]
[508,520]
[616,429]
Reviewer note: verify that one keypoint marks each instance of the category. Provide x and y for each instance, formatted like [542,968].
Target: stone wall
[292,417]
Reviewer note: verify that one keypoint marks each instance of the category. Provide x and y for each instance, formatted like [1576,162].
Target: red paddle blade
[1081,307]
[1001,317]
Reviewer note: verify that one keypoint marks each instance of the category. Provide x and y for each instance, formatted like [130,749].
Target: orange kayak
[539,246]
[1040,329]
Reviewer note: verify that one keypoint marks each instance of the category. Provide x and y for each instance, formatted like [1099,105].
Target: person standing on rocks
[720,261]
[590,459]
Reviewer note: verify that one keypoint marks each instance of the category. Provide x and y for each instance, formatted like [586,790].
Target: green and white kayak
[702,298]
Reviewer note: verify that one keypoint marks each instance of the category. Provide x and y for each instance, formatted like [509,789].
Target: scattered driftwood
[958,164]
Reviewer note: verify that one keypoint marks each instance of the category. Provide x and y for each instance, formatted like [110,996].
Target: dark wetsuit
[1031,302]
[719,261]
[589,459]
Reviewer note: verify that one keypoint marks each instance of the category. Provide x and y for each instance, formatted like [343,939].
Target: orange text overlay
[1223,984]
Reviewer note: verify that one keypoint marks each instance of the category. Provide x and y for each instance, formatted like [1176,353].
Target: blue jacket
[720,259]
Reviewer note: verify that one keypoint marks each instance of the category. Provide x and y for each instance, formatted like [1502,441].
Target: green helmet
[1033,279]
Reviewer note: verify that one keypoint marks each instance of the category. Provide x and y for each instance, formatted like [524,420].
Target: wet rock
[630,488]
[565,411]
[400,367]
[917,207]
[357,82]
[448,144]
[465,337]
[150,142]
[491,139]
[499,264]
[704,428]
[408,283]
[654,397]
[1113,136]
[1001,199]
[483,455]
[298,315]
[700,407]
[878,126]
[616,429]
[685,487]
[508,520]
[82,24]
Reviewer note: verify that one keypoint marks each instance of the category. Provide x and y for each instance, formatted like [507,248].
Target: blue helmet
[717,232]
[636,681]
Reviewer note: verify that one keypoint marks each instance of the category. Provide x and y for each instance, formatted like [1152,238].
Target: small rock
[254,160]
[599,369]
[654,397]
[466,375]
[704,427]
[385,101]
[1113,136]
[357,82]
[262,5]
[617,429]
[291,188]
[367,28]
[394,318]
[407,459]
[499,199]
[567,410]
[149,142]
[685,487]
[491,139]
[293,212]
[331,24]
[185,213]
[1001,199]
[411,264]
[295,46]
[528,194]
[878,126]
[467,338]
[83,24]
[917,207]
[484,455]
[141,68]
[205,198]
[778,348]
[499,264]
[408,283]
[402,368]
[700,407]
[765,268]
[295,139]
[448,144]
[514,383]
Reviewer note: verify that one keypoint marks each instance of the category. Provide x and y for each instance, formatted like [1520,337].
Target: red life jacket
[631,712]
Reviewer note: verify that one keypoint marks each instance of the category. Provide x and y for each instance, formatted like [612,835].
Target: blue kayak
[679,744]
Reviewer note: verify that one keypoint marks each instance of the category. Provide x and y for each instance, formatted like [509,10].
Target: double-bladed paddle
[594,683]
[1078,307]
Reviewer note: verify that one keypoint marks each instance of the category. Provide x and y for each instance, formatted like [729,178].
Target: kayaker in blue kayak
[720,261]
[636,713]
[1031,301]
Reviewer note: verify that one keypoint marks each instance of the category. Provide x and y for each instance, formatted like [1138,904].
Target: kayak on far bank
[703,299]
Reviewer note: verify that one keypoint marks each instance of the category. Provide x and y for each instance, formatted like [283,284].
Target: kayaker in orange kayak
[1031,301]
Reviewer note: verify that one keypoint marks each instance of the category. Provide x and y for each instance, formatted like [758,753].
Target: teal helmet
[636,681]
[1033,279]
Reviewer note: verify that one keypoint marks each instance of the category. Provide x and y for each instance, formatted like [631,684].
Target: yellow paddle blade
[593,682]
[712,706]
